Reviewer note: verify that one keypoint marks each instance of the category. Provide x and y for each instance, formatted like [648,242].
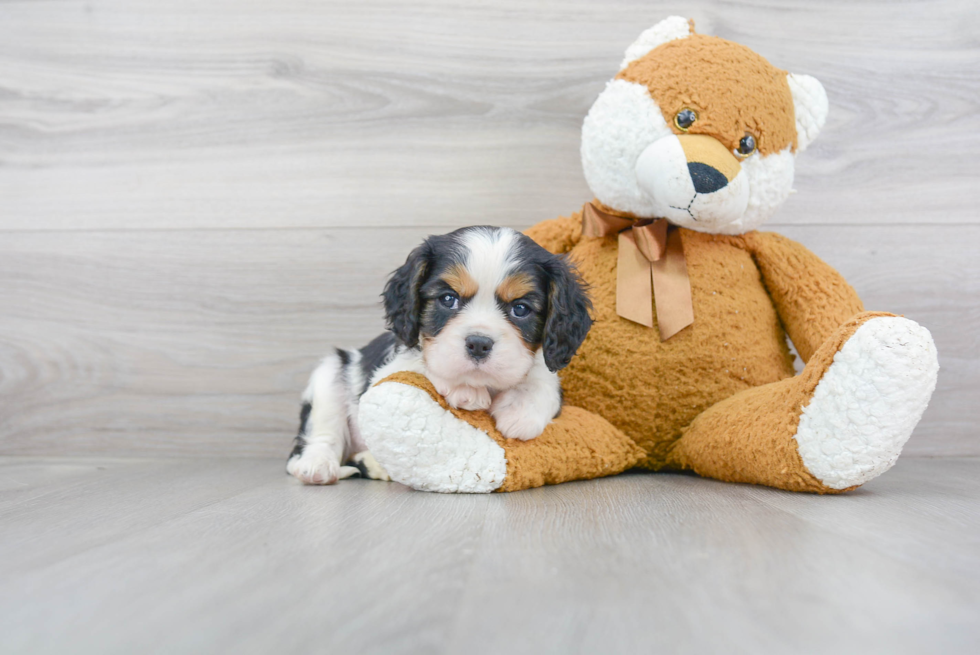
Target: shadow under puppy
[486,314]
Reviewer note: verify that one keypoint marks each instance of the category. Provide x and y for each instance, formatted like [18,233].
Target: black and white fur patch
[486,314]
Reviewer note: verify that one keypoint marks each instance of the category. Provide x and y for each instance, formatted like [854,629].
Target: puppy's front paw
[469,398]
[318,465]
[517,417]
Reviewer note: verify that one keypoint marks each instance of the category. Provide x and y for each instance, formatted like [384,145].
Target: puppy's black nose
[478,346]
[707,179]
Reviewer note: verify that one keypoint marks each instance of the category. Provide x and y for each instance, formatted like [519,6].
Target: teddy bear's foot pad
[423,445]
[868,402]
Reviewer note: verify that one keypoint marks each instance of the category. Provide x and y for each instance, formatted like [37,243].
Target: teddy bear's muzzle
[693,181]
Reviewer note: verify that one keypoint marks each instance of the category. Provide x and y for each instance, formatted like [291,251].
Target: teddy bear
[689,149]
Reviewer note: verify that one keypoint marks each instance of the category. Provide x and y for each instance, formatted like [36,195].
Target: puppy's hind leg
[368,466]
[324,437]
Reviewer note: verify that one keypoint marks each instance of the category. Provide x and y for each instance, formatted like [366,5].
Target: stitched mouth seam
[688,208]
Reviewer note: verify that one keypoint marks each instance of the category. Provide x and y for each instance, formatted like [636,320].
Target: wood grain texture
[188,114]
[200,342]
[124,556]
[197,199]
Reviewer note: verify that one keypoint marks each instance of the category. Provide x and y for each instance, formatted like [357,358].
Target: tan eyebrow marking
[461,281]
[514,287]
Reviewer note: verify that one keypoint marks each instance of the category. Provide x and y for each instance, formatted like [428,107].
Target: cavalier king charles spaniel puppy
[486,314]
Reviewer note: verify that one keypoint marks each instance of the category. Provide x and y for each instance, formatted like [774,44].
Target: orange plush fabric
[748,437]
[737,90]
[810,311]
[652,389]
[575,446]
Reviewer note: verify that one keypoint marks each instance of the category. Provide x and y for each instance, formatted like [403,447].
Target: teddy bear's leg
[840,423]
[425,444]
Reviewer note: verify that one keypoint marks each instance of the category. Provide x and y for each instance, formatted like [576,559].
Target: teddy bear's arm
[557,235]
[812,299]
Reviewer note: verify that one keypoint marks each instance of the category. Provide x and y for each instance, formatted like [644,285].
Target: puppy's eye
[685,118]
[449,300]
[746,146]
[520,310]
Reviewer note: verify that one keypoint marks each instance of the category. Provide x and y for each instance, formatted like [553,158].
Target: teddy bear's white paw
[426,447]
[868,402]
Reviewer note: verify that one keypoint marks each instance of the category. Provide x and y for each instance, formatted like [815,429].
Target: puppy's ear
[403,305]
[569,316]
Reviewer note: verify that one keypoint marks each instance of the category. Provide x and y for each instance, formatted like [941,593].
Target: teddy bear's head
[698,130]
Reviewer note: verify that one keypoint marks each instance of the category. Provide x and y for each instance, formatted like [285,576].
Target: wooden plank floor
[211,555]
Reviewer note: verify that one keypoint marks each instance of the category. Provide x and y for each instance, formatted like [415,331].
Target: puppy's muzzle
[478,347]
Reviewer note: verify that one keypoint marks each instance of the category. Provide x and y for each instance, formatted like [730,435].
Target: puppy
[486,314]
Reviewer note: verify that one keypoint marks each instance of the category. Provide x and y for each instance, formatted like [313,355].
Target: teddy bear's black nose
[707,179]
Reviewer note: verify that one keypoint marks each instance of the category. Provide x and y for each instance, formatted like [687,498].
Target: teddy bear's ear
[810,104]
[666,30]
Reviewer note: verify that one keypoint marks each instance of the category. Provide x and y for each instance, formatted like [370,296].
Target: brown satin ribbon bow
[651,268]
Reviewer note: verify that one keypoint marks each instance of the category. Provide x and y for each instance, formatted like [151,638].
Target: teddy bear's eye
[685,118]
[746,146]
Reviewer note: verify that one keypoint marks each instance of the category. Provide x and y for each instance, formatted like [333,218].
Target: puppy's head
[483,302]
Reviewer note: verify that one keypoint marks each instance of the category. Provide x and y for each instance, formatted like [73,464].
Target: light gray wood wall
[199,197]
